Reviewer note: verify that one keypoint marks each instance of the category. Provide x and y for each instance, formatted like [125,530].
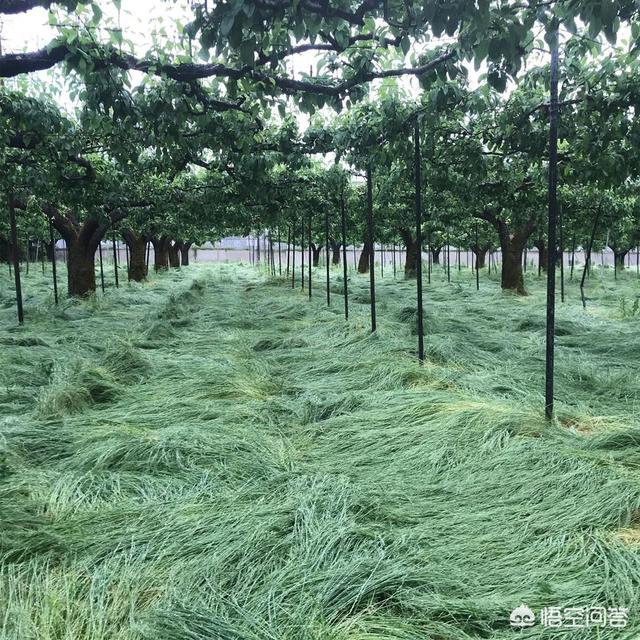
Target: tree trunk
[137,259]
[543,253]
[184,253]
[137,243]
[5,250]
[81,274]
[335,251]
[81,241]
[363,262]
[512,277]
[6,255]
[174,255]
[49,250]
[412,255]
[160,252]
[315,250]
[481,255]
[619,257]
[435,254]
[512,245]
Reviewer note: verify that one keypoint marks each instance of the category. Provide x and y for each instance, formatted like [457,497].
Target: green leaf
[97,12]
[227,24]
[247,50]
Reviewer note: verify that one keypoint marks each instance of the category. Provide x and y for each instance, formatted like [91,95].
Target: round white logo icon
[522,617]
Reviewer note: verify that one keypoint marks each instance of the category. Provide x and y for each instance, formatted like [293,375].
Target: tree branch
[15,64]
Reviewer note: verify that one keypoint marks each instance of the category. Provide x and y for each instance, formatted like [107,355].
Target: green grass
[212,456]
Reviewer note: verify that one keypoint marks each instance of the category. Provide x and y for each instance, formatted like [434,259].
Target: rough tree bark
[512,243]
[184,253]
[335,250]
[137,243]
[411,260]
[5,250]
[82,242]
[480,252]
[49,249]
[543,253]
[160,252]
[619,255]
[315,250]
[174,255]
[435,254]
[363,262]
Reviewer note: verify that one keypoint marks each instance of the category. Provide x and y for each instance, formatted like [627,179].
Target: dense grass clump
[206,457]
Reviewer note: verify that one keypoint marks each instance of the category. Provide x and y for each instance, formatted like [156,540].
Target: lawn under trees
[211,455]
[300,446]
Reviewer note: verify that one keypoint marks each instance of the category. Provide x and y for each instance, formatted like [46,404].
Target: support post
[101,265]
[552,227]
[418,179]
[326,236]
[310,255]
[344,256]
[477,270]
[53,262]
[115,258]
[16,259]
[372,275]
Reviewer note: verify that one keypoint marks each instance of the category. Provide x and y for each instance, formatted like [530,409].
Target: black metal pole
[326,234]
[448,259]
[115,258]
[288,248]
[16,259]
[270,256]
[372,275]
[344,256]
[477,270]
[552,227]
[310,255]
[393,249]
[428,255]
[101,266]
[418,194]
[53,262]
[293,256]
[273,254]
[573,256]
[560,224]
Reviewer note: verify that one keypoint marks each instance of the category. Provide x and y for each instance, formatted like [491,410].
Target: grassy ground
[211,456]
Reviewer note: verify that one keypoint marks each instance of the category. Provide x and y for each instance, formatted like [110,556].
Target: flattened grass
[205,457]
